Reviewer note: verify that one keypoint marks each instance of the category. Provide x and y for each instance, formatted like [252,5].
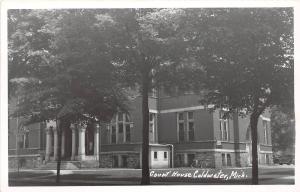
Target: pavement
[268,175]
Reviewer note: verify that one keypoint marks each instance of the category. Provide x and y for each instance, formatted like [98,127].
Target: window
[115,161]
[127,118]
[124,161]
[21,142]
[165,155]
[228,160]
[121,128]
[113,134]
[153,92]
[224,134]
[24,140]
[180,116]
[191,131]
[152,126]
[191,115]
[26,135]
[190,125]
[179,160]
[267,159]
[155,154]
[120,116]
[127,133]
[265,127]
[181,132]
[190,158]
[151,122]
[186,126]
[225,127]
[223,159]
[181,128]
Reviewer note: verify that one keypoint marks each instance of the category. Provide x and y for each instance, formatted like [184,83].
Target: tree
[62,78]
[283,130]
[247,55]
[140,44]
[147,45]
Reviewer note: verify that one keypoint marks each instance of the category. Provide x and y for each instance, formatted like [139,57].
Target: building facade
[182,133]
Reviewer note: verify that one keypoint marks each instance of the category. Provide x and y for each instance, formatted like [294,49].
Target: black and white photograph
[122,96]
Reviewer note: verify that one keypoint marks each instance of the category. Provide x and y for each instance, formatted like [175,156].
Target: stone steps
[65,165]
[90,164]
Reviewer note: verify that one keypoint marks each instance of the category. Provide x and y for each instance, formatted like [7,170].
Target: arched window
[121,128]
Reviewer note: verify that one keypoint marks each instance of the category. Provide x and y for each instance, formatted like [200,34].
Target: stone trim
[117,152]
[31,155]
[270,152]
[31,148]
[211,150]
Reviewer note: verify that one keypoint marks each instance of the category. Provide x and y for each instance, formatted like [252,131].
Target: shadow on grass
[16,175]
[289,172]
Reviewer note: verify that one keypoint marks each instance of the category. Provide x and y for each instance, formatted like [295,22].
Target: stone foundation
[133,161]
[202,159]
[106,161]
[25,162]
[245,160]
[206,159]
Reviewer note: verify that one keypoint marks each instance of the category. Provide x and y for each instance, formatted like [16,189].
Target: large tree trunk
[145,146]
[253,124]
[59,126]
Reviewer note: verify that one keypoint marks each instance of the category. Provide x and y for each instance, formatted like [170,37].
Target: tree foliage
[60,69]
[248,60]
[283,130]
[73,63]
[150,52]
[65,71]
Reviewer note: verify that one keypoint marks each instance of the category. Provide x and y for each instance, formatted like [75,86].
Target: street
[277,174]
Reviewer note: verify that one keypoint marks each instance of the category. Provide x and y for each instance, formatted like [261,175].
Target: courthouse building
[182,133]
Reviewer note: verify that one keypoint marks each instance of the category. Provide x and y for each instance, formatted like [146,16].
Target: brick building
[182,133]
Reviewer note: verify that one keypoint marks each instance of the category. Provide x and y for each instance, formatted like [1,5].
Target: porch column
[55,142]
[81,147]
[48,143]
[62,143]
[96,140]
[73,128]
